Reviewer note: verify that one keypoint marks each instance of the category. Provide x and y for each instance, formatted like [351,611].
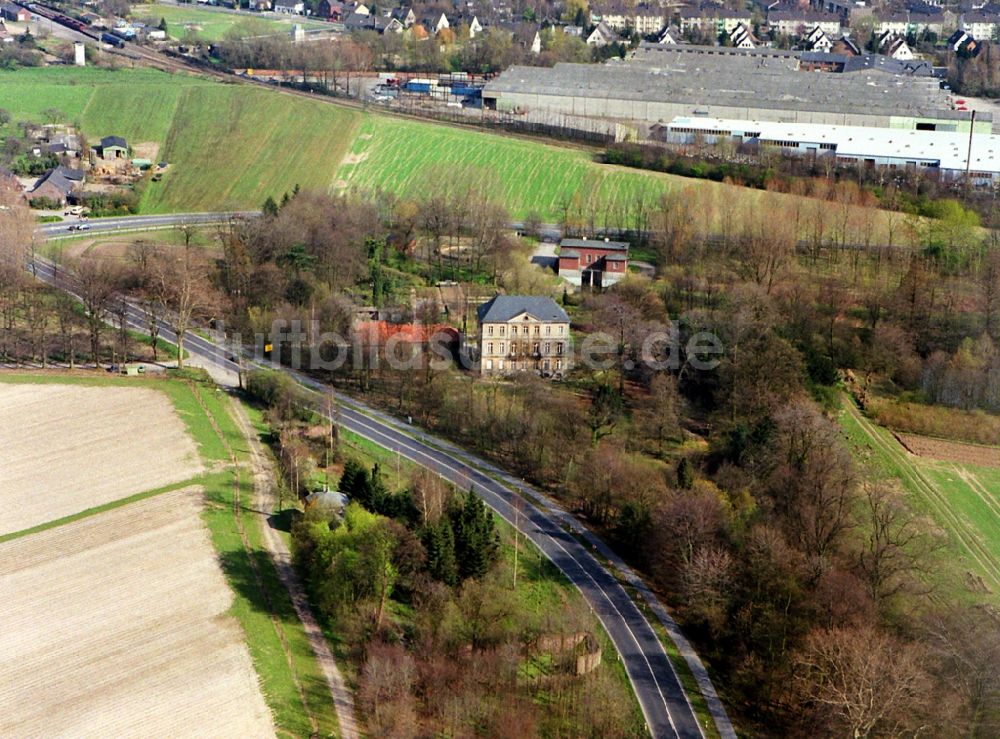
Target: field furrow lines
[104,451]
[129,634]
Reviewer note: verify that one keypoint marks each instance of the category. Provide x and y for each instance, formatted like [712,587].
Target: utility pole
[329,441]
[236,348]
[517,524]
[968,155]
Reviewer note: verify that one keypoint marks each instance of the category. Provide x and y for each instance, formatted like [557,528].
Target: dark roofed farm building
[15,13]
[114,147]
[57,186]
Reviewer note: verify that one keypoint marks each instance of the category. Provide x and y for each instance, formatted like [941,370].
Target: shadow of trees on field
[264,591]
[283,519]
[267,594]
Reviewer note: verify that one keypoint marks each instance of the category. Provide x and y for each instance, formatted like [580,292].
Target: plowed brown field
[67,448]
[115,626]
[951,451]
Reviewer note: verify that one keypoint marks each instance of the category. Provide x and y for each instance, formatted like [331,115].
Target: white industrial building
[945,151]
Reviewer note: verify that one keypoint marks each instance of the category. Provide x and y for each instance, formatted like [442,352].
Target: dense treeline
[23,51]
[43,325]
[911,191]
[459,543]
[333,64]
[414,582]
[788,562]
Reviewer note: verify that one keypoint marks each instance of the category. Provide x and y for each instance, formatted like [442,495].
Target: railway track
[56,16]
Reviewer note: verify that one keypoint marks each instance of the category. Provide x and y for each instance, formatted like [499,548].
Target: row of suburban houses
[793,20]
[606,23]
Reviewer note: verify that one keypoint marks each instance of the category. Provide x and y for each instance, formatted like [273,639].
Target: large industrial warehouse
[952,154]
[656,88]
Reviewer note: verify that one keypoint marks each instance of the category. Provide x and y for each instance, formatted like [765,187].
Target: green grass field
[28,92]
[407,157]
[962,500]
[231,146]
[212,24]
[138,112]
[112,246]
[291,680]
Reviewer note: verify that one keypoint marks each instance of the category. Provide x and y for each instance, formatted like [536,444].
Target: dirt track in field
[67,448]
[950,451]
[116,626]
[265,500]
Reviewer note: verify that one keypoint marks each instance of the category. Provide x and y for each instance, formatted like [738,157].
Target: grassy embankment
[231,146]
[961,499]
[228,146]
[291,680]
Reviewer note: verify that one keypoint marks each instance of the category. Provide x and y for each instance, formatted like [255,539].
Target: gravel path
[265,500]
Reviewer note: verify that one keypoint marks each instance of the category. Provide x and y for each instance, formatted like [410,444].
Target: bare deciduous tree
[185,290]
[658,418]
[814,484]
[98,282]
[765,246]
[861,682]
[66,315]
[16,234]
[894,545]
[966,644]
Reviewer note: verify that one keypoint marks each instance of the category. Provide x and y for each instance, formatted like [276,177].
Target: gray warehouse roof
[648,51]
[505,307]
[593,244]
[731,80]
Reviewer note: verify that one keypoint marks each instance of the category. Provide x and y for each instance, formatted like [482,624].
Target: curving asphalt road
[62,229]
[548,231]
[133,223]
[664,703]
